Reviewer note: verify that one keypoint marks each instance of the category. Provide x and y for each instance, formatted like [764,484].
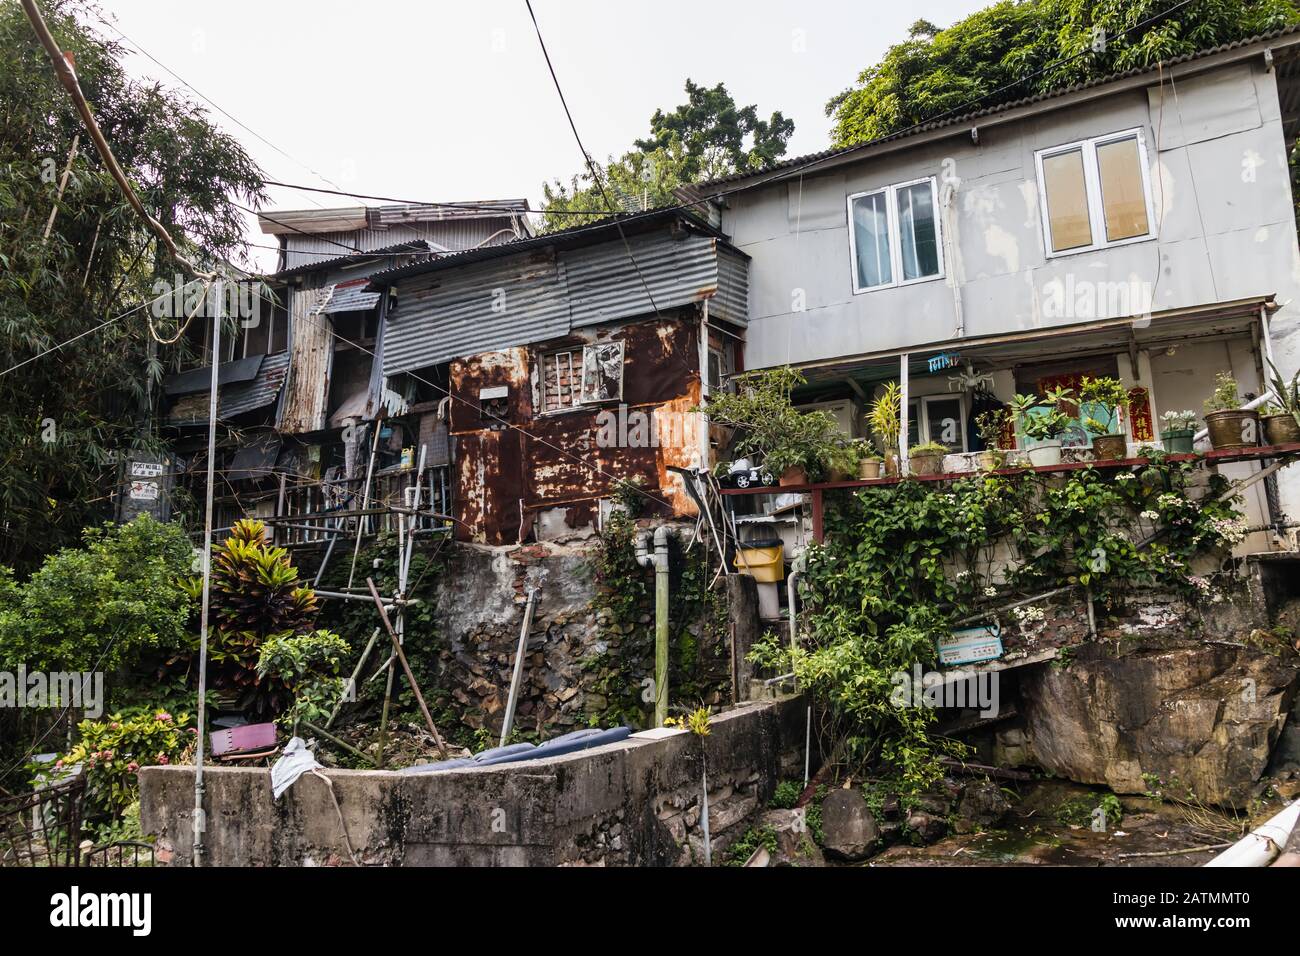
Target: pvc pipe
[1268,396]
[1262,845]
[659,561]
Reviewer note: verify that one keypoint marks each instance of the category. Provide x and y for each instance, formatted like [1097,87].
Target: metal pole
[902,414]
[519,665]
[199,822]
[352,681]
[365,498]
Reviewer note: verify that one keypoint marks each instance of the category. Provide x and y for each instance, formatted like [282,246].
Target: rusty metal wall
[505,475]
[311,355]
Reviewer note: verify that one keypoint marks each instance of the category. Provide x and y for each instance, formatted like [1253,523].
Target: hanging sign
[944,360]
[971,645]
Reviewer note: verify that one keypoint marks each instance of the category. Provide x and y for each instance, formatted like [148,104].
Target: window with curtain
[894,235]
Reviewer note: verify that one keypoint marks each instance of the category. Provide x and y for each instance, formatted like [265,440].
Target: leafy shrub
[786,795]
[101,607]
[256,594]
[308,664]
[112,750]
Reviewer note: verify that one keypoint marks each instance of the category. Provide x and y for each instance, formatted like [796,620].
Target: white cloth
[293,763]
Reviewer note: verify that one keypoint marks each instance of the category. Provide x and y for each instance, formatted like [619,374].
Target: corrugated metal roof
[606,284]
[731,304]
[352,297]
[237,398]
[414,245]
[316,221]
[573,237]
[704,189]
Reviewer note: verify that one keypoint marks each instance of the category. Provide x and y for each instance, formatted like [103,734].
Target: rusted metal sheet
[236,398]
[311,355]
[570,460]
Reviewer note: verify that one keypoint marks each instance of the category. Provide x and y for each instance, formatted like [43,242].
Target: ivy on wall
[903,564]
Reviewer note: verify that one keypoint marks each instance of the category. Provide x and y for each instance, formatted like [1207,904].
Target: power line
[473,207]
[211,102]
[591,166]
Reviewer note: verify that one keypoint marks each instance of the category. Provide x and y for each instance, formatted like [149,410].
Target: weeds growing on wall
[903,564]
[697,663]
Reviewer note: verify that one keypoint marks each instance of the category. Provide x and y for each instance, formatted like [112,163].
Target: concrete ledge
[635,802]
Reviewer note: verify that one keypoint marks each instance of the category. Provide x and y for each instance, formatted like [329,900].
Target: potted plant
[868,464]
[991,426]
[886,421]
[842,461]
[1178,431]
[1282,421]
[795,445]
[1230,425]
[1108,439]
[926,459]
[1043,423]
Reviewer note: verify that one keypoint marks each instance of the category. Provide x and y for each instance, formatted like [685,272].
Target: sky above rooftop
[446,101]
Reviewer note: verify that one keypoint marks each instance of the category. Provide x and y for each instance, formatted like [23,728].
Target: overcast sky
[442,101]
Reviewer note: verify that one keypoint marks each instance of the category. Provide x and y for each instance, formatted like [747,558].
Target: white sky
[441,101]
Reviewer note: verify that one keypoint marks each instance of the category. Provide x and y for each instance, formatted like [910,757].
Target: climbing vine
[905,564]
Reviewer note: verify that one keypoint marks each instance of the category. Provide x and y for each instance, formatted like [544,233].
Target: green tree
[1016,49]
[65,417]
[705,137]
[110,604]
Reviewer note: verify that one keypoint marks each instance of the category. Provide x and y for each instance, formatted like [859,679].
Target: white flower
[990,591]
[1150,515]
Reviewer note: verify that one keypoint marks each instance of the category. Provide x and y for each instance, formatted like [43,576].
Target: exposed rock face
[848,828]
[1199,716]
[794,843]
[927,827]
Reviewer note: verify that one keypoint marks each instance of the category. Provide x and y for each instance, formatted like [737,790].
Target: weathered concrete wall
[631,803]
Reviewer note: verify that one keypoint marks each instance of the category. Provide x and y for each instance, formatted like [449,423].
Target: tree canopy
[66,417]
[705,137]
[1015,49]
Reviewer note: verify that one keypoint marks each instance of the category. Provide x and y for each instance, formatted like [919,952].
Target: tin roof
[237,397]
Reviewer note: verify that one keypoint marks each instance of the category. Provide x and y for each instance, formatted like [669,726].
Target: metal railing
[43,828]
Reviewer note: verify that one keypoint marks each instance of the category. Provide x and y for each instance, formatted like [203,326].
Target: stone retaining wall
[632,803]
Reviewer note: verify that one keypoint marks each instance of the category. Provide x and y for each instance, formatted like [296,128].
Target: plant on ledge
[1044,422]
[1230,425]
[1282,422]
[1108,439]
[794,445]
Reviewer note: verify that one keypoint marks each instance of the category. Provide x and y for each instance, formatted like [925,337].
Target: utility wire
[591,166]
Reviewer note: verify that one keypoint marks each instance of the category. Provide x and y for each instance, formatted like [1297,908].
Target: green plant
[1287,394]
[990,426]
[885,417]
[629,493]
[256,594]
[308,665]
[786,795]
[1225,397]
[928,448]
[1041,419]
[1109,393]
[1179,421]
[769,425]
[116,603]
[112,750]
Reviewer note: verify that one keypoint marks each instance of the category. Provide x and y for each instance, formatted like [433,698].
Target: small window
[561,375]
[937,419]
[894,236]
[584,376]
[1095,193]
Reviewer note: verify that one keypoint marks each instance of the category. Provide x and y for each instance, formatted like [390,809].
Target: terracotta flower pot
[868,468]
[1281,429]
[1233,428]
[795,475]
[891,465]
[925,464]
[1109,447]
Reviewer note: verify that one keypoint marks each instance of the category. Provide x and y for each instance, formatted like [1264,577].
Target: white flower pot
[1045,454]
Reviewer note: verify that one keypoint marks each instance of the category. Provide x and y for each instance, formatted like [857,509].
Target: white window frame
[1092,187]
[580,391]
[922,402]
[895,244]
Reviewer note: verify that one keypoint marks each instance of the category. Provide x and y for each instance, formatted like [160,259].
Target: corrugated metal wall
[519,300]
[454,234]
[495,305]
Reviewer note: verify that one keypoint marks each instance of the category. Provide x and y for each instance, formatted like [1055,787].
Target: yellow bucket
[766,564]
